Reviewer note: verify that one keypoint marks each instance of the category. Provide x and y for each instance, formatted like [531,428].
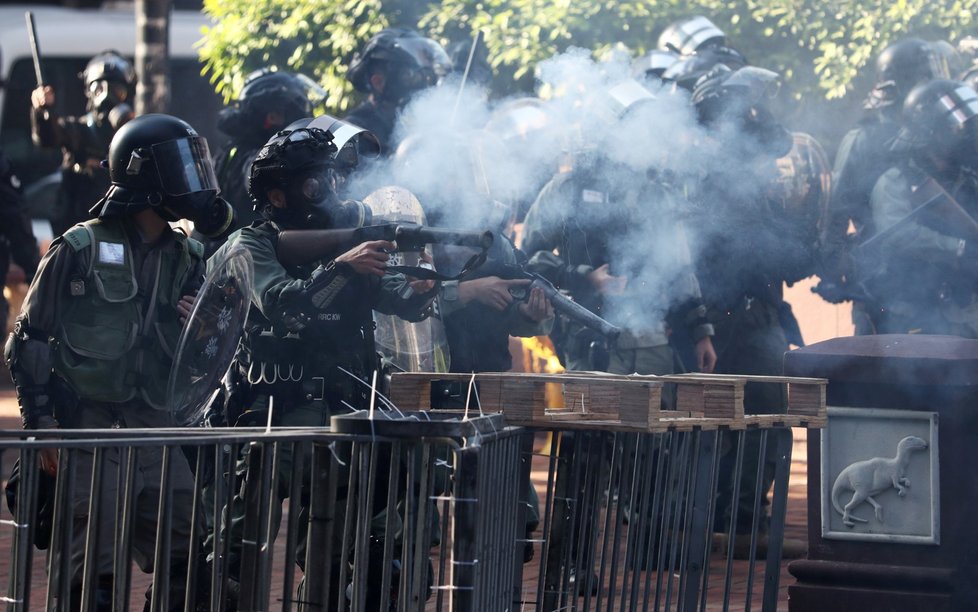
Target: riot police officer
[393,66]
[921,267]
[864,154]
[585,215]
[269,101]
[109,81]
[310,335]
[91,349]
[700,45]
[749,248]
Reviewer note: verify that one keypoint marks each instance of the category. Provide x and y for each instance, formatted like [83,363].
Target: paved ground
[796,522]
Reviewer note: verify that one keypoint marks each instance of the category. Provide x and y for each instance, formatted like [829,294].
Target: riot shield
[804,183]
[411,347]
[210,337]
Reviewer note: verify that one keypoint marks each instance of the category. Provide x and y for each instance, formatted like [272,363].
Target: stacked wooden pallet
[585,400]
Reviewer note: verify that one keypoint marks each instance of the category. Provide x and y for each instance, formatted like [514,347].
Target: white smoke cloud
[653,156]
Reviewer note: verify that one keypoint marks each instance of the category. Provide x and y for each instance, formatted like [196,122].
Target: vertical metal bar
[90,566]
[348,523]
[447,526]
[224,492]
[417,563]
[755,523]
[637,552]
[649,545]
[59,561]
[254,486]
[549,554]
[620,481]
[299,454]
[711,518]
[193,557]
[779,509]
[273,512]
[700,525]
[322,517]
[390,527]
[732,527]
[663,514]
[361,555]
[122,561]
[681,465]
[24,529]
[465,553]
[161,565]
[524,474]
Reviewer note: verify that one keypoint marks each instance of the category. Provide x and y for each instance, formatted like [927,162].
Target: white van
[68,38]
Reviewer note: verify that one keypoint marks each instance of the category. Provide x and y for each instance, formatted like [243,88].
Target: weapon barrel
[35,49]
[409,237]
[575,312]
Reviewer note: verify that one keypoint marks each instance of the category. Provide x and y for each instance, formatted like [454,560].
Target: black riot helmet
[353,142]
[688,70]
[899,68]
[739,99]
[290,96]
[688,36]
[480,72]
[409,62]
[109,79]
[940,118]
[160,162]
[301,161]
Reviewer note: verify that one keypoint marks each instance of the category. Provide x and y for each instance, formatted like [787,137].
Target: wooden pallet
[588,400]
[806,399]
[542,400]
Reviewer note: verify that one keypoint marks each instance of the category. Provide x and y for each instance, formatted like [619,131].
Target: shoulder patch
[78,238]
[196,248]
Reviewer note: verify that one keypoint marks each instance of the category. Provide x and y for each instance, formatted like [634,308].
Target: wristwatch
[449,291]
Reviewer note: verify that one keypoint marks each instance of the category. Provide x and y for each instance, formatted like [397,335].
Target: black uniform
[17,242]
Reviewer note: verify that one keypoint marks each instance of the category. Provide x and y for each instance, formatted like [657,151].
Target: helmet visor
[185,166]
[759,84]
[696,32]
[961,105]
[427,54]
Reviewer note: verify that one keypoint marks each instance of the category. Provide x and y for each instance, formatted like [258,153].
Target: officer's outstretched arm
[28,356]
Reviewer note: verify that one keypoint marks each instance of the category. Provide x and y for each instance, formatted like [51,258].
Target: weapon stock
[35,49]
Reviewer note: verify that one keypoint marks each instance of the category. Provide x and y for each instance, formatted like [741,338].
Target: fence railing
[420,510]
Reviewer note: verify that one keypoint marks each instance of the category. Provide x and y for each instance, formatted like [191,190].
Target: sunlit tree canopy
[819,46]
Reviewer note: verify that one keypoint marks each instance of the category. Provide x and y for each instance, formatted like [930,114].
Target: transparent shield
[804,183]
[411,347]
[210,337]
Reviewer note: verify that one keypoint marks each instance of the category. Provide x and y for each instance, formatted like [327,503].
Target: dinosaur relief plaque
[880,476]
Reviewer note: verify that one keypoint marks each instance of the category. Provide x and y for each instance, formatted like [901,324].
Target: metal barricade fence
[423,510]
[383,514]
[644,508]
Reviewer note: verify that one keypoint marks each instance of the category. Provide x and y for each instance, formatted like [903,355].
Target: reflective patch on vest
[328,293]
[592,197]
[112,253]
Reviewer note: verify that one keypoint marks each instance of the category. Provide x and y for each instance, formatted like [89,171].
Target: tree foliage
[316,38]
[818,45]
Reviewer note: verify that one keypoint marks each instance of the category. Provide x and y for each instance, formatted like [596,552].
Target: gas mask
[104,95]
